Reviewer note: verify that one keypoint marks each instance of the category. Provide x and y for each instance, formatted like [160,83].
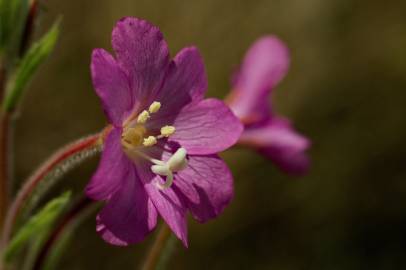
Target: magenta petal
[113,167]
[281,143]
[264,65]
[107,235]
[143,53]
[186,82]
[129,215]
[207,186]
[292,162]
[167,203]
[111,85]
[207,127]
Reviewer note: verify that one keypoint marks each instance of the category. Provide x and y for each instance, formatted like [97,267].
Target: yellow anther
[143,117]
[167,131]
[154,107]
[150,141]
[133,136]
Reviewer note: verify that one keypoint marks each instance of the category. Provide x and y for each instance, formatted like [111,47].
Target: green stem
[2,77]
[152,259]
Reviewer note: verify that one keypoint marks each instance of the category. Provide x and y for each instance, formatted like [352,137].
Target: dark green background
[345,90]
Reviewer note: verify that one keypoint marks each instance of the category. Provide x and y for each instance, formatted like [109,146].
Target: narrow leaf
[36,225]
[29,64]
[65,236]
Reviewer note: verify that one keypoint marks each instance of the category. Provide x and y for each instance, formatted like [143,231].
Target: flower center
[134,133]
[134,136]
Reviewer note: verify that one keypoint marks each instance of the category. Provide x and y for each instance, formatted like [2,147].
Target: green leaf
[36,225]
[29,64]
[66,235]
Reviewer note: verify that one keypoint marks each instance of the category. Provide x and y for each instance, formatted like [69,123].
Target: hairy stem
[32,182]
[152,259]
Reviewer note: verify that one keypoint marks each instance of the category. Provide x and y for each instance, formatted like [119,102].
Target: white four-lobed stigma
[175,163]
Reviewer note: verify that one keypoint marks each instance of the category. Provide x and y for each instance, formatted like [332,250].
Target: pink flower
[160,156]
[263,67]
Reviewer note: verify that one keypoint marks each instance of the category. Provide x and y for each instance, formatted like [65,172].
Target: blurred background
[345,90]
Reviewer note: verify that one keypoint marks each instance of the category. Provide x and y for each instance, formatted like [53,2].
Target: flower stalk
[2,78]
[35,179]
[155,252]
[4,132]
[4,164]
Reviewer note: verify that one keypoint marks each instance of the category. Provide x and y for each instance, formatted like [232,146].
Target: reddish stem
[158,246]
[4,164]
[39,174]
[2,79]
[29,26]
[4,132]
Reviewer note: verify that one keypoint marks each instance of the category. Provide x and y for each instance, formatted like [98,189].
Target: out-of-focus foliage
[12,19]
[345,90]
[38,52]
[38,226]
[67,235]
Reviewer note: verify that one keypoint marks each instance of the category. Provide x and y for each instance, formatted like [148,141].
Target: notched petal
[207,127]
[129,215]
[280,142]
[206,186]
[142,51]
[264,66]
[112,86]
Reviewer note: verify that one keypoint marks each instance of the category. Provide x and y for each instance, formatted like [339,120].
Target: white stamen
[133,136]
[154,107]
[150,159]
